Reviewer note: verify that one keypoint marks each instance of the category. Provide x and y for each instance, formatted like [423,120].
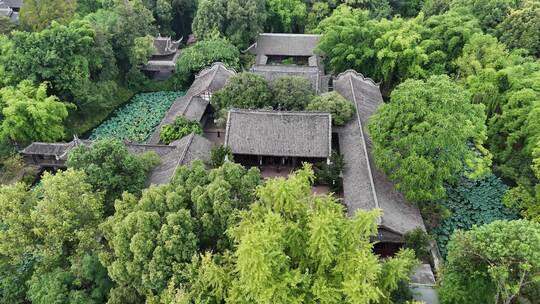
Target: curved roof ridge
[215,66]
[359,76]
[275,112]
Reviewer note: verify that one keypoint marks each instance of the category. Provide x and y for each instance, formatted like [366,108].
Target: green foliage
[142,50]
[238,20]
[490,13]
[427,135]
[291,93]
[111,169]
[435,7]
[448,33]
[57,54]
[203,54]
[39,14]
[178,129]
[521,29]
[6,26]
[492,263]
[331,174]
[245,91]
[347,41]
[48,242]
[387,50]
[137,120]
[419,241]
[341,109]
[14,169]
[219,154]
[472,203]
[29,114]
[153,238]
[291,246]
[286,16]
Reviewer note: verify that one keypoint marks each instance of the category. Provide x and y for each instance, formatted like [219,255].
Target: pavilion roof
[275,133]
[165,46]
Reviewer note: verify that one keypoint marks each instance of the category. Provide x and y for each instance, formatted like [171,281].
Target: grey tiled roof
[365,187]
[13,3]
[180,152]
[285,44]
[165,46]
[183,152]
[191,105]
[273,133]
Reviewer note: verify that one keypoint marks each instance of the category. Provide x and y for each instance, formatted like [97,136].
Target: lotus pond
[137,120]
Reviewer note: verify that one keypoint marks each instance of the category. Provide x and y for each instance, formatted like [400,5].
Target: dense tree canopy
[38,14]
[429,135]
[494,263]
[238,20]
[521,29]
[111,169]
[29,114]
[291,93]
[50,237]
[153,238]
[203,54]
[291,247]
[245,91]
[341,109]
[286,15]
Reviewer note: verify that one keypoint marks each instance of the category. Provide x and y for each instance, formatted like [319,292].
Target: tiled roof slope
[365,187]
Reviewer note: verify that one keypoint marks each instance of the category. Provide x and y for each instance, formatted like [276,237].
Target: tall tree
[111,169]
[153,238]
[490,13]
[494,263]
[29,114]
[245,91]
[293,247]
[449,33]
[203,54]
[521,29]
[347,41]
[239,21]
[50,240]
[39,14]
[287,16]
[422,139]
[291,93]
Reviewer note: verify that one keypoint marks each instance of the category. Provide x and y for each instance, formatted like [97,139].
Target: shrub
[245,91]
[341,109]
[330,174]
[291,93]
[178,129]
[203,53]
[218,155]
[418,240]
[111,169]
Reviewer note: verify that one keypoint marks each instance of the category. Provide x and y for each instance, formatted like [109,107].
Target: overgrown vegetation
[178,129]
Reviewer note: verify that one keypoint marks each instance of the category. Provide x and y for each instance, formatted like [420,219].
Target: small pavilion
[162,64]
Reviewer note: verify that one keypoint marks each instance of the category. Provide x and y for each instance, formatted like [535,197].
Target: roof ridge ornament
[359,76]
